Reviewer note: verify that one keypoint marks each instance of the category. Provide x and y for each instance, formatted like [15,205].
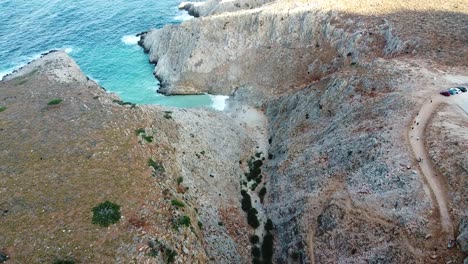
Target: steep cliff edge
[286,44]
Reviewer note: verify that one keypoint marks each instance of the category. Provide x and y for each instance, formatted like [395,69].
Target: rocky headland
[332,105]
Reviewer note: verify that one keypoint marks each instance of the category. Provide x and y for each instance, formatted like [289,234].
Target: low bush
[256,252]
[3,108]
[254,239]
[139,131]
[252,219]
[63,261]
[180,180]
[269,225]
[155,165]
[267,248]
[148,139]
[55,101]
[106,213]
[169,255]
[177,203]
[182,221]
[262,193]
[246,202]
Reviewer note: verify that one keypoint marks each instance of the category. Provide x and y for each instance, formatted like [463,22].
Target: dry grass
[57,163]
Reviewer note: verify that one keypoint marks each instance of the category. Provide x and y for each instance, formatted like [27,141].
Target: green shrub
[262,193]
[64,261]
[254,186]
[177,203]
[269,225]
[180,180]
[256,252]
[106,213]
[169,255]
[168,114]
[182,221]
[2,108]
[55,101]
[139,131]
[200,224]
[246,202]
[156,166]
[254,239]
[252,219]
[257,261]
[120,102]
[153,246]
[148,139]
[267,248]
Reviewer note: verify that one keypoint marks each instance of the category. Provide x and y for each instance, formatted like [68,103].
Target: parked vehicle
[445,93]
[454,91]
[463,89]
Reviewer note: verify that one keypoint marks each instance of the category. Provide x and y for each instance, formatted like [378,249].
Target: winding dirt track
[417,140]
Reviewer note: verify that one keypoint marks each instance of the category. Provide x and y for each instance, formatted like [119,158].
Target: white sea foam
[68,50]
[182,15]
[219,101]
[130,39]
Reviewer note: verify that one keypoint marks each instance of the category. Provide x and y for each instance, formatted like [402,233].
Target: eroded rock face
[254,48]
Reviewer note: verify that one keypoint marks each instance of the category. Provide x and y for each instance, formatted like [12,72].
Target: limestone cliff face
[271,47]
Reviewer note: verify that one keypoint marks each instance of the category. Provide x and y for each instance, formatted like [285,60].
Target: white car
[453,91]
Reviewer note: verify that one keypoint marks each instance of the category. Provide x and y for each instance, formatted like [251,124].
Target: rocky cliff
[286,44]
[341,84]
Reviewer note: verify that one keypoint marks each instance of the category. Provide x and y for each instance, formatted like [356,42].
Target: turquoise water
[99,35]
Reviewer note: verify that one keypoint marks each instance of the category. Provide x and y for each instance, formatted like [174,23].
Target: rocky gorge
[311,162]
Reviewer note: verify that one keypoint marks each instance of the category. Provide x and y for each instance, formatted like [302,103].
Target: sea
[100,36]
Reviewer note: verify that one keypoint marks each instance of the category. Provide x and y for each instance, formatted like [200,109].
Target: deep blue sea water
[99,35]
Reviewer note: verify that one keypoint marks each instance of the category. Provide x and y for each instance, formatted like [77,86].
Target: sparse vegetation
[168,114]
[148,139]
[180,180]
[3,108]
[181,221]
[156,166]
[139,131]
[177,203]
[106,213]
[169,255]
[120,102]
[55,101]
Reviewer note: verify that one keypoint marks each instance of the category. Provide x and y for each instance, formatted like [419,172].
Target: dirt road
[417,140]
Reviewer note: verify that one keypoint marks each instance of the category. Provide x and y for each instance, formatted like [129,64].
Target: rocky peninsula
[317,158]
